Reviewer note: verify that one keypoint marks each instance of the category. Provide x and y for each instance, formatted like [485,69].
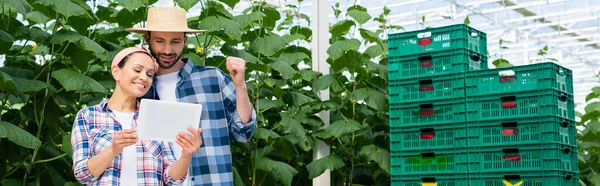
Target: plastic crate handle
[507,76]
[513,157]
[427,154]
[425,61]
[509,102]
[427,181]
[512,177]
[564,124]
[510,128]
[475,57]
[427,133]
[426,85]
[426,110]
[562,98]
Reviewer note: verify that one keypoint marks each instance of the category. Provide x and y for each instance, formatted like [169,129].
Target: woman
[106,150]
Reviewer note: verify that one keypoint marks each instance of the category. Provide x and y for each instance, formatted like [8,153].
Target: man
[227,113]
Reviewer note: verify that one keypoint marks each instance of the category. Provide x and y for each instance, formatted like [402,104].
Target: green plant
[589,140]
[57,63]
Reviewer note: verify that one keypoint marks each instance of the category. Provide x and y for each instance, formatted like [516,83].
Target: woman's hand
[189,144]
[122,139]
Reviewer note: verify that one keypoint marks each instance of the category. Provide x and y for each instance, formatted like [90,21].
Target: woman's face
[135,77]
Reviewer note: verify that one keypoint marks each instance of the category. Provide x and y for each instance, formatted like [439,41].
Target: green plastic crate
[522,131]
[519,78]
[535,178]
[436,40]
[429,162]
[427,113]
[520,105]
[538,157]
[435,179]
[427,88]
[431,137]
[433,64]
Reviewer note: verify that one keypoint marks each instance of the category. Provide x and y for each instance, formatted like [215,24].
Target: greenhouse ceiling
[569,28]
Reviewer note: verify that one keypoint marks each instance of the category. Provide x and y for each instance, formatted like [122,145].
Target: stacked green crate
[427,94]
[455,122]
[521,126]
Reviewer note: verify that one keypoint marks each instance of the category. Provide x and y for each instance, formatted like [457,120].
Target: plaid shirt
[220,122]
[92,133]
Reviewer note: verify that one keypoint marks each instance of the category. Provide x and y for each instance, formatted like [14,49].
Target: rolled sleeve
[168,161]
[81,149]
[242,132]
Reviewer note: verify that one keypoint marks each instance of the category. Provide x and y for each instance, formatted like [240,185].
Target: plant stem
[4,100]
[51,159]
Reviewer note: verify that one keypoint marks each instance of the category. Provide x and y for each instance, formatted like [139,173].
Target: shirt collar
[104,105]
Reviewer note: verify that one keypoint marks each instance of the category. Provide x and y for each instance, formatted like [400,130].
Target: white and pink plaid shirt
[92,132]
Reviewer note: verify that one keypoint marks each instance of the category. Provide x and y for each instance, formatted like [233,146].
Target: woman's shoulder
[86,111]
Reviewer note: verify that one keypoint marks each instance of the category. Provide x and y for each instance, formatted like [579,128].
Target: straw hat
[165,19]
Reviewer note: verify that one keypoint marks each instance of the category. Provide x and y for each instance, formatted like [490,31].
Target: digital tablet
[163,120]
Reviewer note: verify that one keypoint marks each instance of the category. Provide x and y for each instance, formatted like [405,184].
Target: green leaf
[501,63]
[273,16]
[328,81]
[217,23]
[245,19]
[27,85]
[293,57]
[594,179]
[22,6]
[318,167]
[18,135]
[306,32]
[90,45]
[293,127]
[283,68]
[38,35]
[467,21]
[262,133]
[323,134]
[309,75]
[37,17]
[594,106]
[339,48]
[64,7]
[64,35]
[9,85]
[17,72]
[386,10]
[370,36]
[593,126]
[231,51]
[74,81]
[6,37]
[591,96]
[268,45]
[341,28]
[186,4]
[230,3]
[373,98]
[131,5]
[66,145]
[266,104]
[359,14]
[374,51]
[237,179]
[296,99]
[282,172]
[378,155]
[293,37]
[343,127]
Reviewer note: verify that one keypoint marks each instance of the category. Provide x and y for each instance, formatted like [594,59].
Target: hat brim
[144,30]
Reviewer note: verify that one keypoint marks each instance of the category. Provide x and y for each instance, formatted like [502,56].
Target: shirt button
[192,179]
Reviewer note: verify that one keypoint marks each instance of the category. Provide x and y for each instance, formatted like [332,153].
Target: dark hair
[122,62]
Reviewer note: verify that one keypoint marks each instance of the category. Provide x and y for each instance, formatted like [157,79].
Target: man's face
[166,47]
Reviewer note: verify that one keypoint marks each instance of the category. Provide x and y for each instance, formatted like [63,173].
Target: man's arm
[243,105]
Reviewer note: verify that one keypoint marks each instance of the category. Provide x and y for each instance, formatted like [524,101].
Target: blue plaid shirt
[220,122]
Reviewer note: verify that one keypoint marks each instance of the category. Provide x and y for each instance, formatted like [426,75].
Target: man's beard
[157,57]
